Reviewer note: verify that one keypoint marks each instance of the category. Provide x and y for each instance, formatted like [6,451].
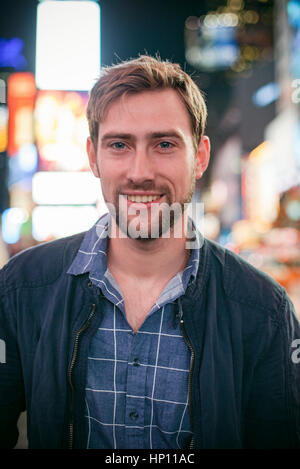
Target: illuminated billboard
[61,130]
[65,188]
[21,93]
[67,45]
[50,222]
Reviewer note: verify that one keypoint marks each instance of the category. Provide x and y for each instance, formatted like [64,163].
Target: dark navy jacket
[245,381]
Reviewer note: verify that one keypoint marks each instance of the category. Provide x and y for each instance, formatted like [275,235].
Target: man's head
[146,144]
[145,74]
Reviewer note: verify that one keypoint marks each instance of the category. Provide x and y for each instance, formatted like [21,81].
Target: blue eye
[165,145]
[118,145]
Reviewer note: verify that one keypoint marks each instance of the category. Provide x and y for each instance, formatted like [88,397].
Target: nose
[141,167]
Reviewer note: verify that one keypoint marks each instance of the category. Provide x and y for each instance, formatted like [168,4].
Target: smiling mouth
[142,198]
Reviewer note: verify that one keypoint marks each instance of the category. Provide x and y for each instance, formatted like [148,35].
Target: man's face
[146,157]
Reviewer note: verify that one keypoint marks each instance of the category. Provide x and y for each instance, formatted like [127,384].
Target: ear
[92,154]
[202,157]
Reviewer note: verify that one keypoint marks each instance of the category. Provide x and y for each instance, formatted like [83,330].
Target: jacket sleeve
[12,401]
[273,412]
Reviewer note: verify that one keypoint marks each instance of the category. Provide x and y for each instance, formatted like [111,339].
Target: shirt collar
[91,256]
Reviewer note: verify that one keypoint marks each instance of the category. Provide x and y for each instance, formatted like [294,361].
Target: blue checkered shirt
[137,383]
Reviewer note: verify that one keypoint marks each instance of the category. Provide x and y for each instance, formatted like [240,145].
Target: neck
[146,259]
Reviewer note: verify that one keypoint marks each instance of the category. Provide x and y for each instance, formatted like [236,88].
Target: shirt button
[134,415]
[136,362]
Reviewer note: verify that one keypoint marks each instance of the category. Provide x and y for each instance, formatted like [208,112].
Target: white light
[27,157]
[67,45]
[3,116]
[228,19]
[211,226]
[211,21]
[56,222]
[65,188]
[12,221]
[2,91]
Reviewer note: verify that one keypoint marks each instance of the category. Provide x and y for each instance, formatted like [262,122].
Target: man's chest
[138,301]
[129,379]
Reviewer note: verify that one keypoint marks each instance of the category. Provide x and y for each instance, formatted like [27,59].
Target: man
[141,333]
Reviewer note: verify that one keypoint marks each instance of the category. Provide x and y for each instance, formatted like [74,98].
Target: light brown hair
[144,74]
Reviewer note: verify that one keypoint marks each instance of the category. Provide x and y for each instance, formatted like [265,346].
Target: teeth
[142,198]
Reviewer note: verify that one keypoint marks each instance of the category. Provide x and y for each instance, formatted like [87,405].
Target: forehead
[147,111]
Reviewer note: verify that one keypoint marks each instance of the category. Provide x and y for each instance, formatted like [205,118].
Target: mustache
[144,187]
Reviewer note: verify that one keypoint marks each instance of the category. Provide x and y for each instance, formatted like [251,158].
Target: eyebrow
[151,135]
[111,135]
[168,133]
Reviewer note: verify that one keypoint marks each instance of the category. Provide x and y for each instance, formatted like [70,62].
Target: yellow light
[3,128]
[236,4]
[251,16]
[260,151]
[250,53]
[239,66]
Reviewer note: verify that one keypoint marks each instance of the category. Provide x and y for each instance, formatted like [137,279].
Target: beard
[149,224]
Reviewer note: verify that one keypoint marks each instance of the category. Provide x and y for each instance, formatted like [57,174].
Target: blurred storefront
[47,163]
[43,130]
[269,235]
[252,194]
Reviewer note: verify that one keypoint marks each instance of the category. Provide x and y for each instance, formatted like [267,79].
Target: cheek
[110,178]
[112,168]
[185,172]
[107,171]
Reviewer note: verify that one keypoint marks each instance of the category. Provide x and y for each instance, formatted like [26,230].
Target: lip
[142,193]
[143,204]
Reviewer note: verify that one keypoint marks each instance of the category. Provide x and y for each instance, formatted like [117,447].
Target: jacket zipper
[187,340]
[74,356]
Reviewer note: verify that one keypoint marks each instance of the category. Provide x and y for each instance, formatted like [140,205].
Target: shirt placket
[135,396]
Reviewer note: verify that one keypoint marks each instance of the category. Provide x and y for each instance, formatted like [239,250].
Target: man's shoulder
[41,264]
[243,282]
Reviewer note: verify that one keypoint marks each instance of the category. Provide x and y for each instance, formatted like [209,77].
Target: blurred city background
[244,55]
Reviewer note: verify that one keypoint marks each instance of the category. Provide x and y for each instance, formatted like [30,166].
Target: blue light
[266,95]
[293,10]
[23,164]
[11,53]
